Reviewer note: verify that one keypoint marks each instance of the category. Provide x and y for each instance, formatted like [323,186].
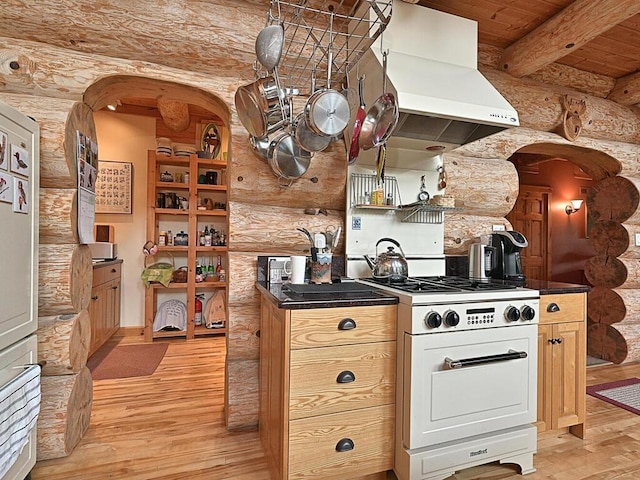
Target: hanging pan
[354,149]
[287,158]
[381,117]
[327,111]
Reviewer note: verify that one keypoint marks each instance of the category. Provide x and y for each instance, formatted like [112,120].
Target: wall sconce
[114,105]
[573,207]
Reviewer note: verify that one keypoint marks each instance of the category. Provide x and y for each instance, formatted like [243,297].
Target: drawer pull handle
[95,297]
[113,270]
[347,324]
[258,333]
[553,307]
[115,287]
[345,445]
[346,377]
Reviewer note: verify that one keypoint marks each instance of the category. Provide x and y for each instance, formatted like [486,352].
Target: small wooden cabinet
[104,309]
[562,354]
[327,390]
[203,204]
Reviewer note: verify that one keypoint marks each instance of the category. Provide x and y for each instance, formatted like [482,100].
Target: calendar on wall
[114,187]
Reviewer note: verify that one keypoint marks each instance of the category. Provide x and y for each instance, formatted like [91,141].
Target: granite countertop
[546,287]
[347,294]
[103,263]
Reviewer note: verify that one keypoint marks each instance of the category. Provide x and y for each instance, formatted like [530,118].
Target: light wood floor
[170,426]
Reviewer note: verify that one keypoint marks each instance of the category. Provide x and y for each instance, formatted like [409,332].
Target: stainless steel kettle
[481,261]
[389,265]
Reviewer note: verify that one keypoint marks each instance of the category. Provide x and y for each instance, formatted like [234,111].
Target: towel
[19,409]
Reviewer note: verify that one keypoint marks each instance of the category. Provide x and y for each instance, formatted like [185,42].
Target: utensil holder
[321,269]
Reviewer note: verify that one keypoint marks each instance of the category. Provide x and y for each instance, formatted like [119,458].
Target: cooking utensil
[389,265]
[287,158]
[269,43]
[307,234]
[336,239]
[423,195]
[319,241]
[354,149]
[250,111]
[260,147]
[307,138]
[442,178]
[380,162]
[327,111]
[382,116]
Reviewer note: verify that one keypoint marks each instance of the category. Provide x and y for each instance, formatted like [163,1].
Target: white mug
[295,267]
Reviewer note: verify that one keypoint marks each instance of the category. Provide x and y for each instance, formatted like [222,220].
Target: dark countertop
[553,288]
[365,296]
[104,263]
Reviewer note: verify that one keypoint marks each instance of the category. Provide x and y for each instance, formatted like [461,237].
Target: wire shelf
[363,185]
[423,212]
[317,30]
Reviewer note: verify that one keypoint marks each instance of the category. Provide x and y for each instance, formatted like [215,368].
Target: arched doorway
[561,243]
[160,106]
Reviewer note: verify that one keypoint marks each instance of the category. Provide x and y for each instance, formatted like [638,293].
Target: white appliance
[466,375]
[19,188]
[466,350]
[103,250]
[444,101]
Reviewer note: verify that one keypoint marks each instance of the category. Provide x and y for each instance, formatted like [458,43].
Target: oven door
[465,383]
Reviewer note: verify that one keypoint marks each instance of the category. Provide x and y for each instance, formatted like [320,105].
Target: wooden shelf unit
[188,221]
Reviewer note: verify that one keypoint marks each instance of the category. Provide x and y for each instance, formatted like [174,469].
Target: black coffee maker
[508,264]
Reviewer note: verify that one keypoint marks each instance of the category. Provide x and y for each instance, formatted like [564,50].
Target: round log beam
[59,216]
[604,341]
[63,343]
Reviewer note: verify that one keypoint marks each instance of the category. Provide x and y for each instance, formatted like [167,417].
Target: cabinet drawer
[570,308]
[335,379]
[342,326]
[106,273]
[313,441]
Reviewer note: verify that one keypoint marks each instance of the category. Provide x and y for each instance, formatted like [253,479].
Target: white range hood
[432,69]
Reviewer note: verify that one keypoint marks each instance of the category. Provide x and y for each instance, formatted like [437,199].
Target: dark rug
[122,361]
[623,393]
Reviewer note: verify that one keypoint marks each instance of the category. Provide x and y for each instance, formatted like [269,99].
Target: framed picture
[114,187]
[20,195]
[20,161]
[6,188]
[4,151]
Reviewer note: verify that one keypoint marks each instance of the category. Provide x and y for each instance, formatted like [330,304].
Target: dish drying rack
[316,30]
[417,212]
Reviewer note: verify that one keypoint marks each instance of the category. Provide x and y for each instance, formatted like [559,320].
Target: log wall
[54,85]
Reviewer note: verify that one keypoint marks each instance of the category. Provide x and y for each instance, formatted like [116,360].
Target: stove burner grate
[446,284]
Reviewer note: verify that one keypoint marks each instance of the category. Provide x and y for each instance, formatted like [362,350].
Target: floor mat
[124,361]
[623,393]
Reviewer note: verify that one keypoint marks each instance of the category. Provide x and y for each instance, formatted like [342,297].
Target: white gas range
[466,375]
[466,351]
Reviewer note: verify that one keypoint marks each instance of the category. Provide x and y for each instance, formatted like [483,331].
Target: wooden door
[569,382]
[530,216]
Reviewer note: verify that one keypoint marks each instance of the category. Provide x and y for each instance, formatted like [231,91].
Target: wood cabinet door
[569,382]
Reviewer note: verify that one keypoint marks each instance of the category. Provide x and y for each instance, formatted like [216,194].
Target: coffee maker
[508,264]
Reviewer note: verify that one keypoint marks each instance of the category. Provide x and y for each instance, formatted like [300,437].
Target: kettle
[389,265]
[481,261]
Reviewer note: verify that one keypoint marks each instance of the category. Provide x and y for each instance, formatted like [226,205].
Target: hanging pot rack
[317,30]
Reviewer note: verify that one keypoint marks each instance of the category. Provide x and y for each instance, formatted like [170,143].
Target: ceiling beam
[626,90]
[574,27]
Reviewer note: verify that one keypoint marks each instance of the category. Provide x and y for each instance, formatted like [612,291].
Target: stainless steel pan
[307,138]
[269,43]
[287,158]
[382,116]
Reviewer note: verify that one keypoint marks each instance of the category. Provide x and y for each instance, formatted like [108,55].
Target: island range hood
[444,101]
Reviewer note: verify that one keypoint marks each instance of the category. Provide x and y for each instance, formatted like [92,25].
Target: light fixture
[573,207]
[114,105]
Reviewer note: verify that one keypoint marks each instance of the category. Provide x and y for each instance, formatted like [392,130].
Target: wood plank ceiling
[600,37]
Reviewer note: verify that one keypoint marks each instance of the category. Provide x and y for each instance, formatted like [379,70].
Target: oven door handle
[469,362]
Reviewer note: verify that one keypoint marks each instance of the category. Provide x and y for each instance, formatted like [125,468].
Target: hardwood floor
[170,426]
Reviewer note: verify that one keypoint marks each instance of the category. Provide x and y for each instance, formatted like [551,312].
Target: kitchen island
[327,380]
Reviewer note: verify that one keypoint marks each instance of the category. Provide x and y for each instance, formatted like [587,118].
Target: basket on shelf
[180,275]
[159,272]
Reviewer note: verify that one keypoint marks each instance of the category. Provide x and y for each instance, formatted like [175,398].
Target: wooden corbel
[573,109]
[175,114]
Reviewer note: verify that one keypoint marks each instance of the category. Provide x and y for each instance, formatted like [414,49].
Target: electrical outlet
[637,239]
[356,223]
[498,228]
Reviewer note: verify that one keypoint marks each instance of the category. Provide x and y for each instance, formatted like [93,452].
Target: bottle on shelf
[169,238]
[219,264]
[162,239]
[207,236]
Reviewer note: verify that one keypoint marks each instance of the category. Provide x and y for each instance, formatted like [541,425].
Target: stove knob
[512,314]
[451,318]
[433,320]
[527,313]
